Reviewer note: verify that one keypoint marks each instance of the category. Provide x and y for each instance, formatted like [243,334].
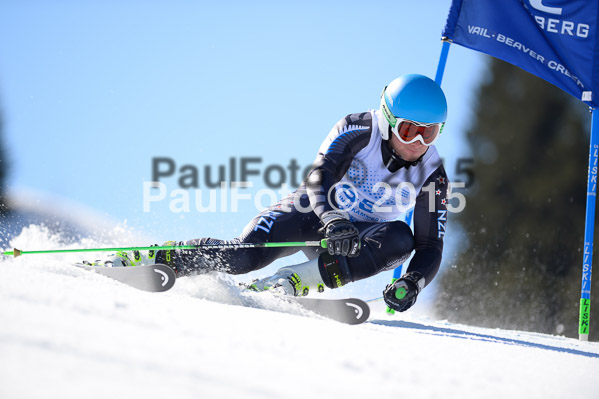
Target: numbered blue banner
[555,40]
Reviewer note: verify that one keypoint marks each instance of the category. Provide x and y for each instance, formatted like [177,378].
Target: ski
[349,310]
[152,278]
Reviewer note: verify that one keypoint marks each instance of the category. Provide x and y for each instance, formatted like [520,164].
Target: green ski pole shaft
[322,243]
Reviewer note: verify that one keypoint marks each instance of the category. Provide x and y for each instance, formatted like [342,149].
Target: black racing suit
[384,244]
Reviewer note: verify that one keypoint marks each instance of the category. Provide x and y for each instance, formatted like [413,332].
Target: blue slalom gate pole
[589,230]
[442,60]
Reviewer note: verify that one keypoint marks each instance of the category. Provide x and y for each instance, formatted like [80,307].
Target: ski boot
[181,261]
[295,280]
[125,259]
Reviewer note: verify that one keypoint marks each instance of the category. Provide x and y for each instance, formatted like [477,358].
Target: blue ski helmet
[413,97]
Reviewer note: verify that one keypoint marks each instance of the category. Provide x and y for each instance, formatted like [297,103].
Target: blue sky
[91,91]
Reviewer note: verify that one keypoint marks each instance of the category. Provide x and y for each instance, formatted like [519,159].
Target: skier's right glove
[343,238]
[401,295]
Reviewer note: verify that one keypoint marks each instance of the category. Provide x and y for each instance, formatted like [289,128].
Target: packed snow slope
[71,333]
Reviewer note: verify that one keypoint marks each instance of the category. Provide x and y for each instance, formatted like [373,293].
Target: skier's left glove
[401,295]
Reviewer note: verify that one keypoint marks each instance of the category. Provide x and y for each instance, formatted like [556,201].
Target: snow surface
[71,333]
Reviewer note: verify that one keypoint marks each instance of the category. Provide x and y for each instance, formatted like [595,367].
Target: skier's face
[409,152]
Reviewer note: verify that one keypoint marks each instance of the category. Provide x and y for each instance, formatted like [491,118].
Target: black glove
[401,295]
[342,236]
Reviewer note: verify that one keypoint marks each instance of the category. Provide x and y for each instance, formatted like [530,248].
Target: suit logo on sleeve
[441,220]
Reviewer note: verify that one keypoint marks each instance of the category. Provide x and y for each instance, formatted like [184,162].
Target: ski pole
[322,243]
[380,298]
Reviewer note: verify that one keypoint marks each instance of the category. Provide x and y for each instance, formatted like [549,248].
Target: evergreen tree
[524,218]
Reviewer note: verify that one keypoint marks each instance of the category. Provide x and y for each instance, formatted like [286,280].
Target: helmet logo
[388,115]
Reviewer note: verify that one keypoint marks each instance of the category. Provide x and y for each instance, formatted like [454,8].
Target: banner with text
[553,39]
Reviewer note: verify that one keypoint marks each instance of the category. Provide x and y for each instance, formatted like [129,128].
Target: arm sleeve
[350,135]
[429,225]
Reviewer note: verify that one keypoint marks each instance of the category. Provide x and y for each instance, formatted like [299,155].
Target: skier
[371,167]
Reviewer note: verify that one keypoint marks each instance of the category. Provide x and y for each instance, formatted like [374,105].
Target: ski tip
[167,276]
[151,278]
[348,311]
[361,311]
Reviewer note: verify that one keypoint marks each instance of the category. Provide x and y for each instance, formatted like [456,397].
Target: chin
[412,156]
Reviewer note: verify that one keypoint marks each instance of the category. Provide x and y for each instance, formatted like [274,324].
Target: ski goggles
[408,131]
